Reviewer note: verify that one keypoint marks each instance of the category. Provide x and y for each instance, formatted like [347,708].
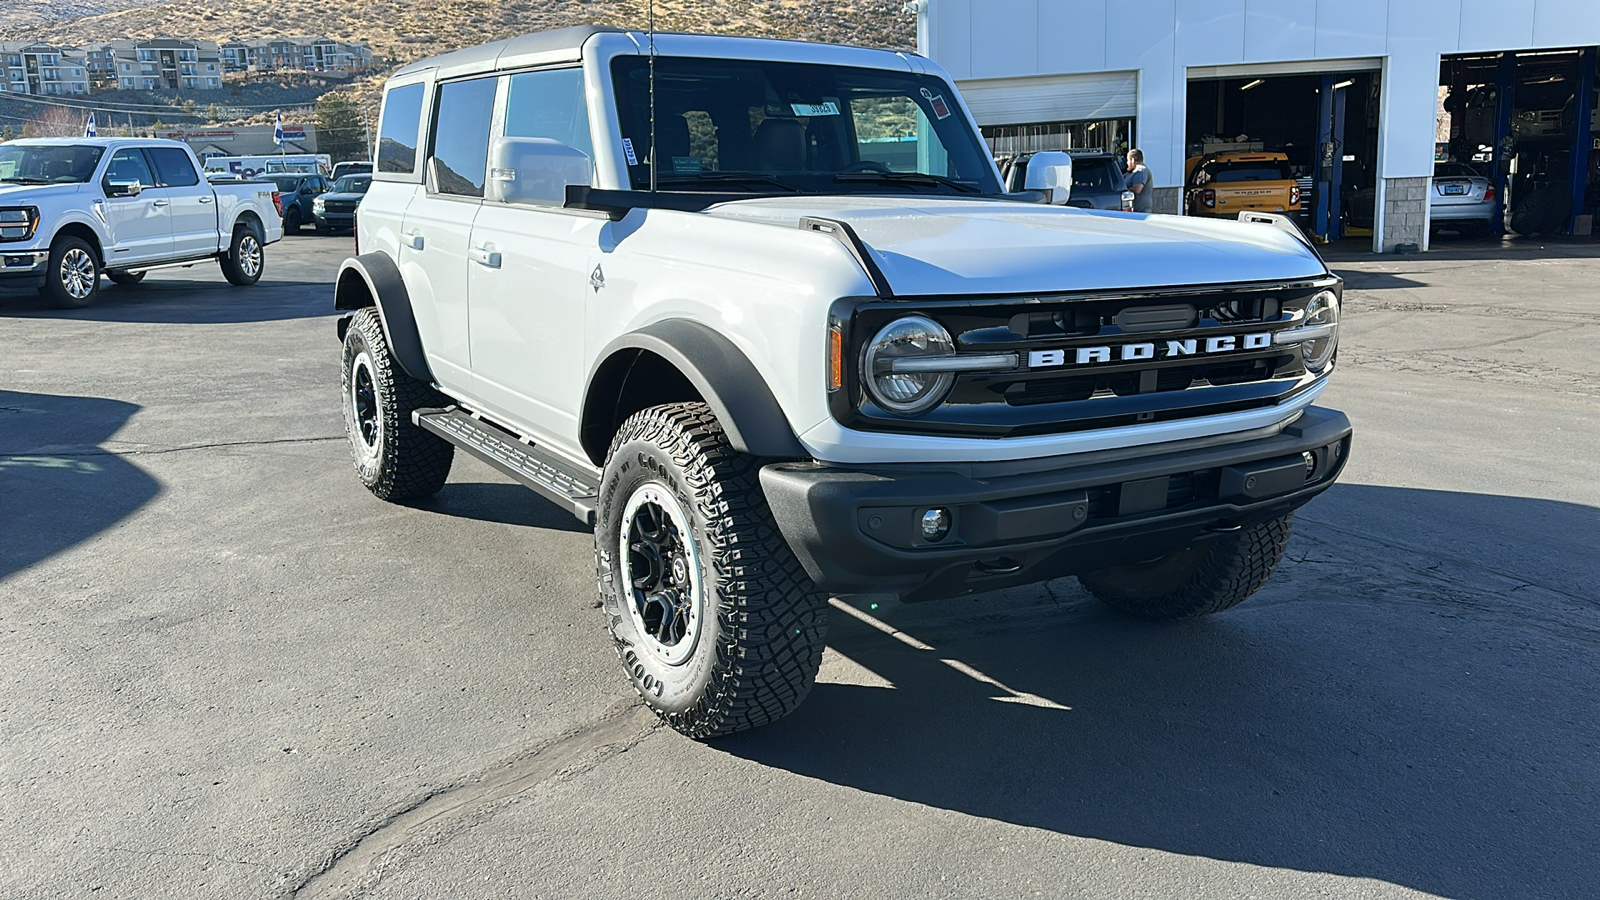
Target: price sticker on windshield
[941,109]
[825,108]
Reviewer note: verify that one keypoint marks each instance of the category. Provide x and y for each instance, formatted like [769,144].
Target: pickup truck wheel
[394,458]
[72,280]
[717,625]
[243,263]
[291,221]
[1206,578]
[124,277]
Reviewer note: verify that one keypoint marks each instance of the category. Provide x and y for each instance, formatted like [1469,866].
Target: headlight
[907,392]
[1318,334]
[17,223]
[318,205]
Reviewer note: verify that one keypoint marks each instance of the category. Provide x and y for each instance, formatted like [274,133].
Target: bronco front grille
[1066,380]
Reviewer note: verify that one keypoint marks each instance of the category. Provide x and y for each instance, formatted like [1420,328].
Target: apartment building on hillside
[28,67]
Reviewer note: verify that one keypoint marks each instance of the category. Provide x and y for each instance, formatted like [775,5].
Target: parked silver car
[1461,199]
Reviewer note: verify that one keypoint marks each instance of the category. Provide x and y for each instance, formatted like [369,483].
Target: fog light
[1311,463]
[935,524]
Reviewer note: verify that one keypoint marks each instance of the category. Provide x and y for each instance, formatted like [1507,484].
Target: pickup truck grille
[1056,388]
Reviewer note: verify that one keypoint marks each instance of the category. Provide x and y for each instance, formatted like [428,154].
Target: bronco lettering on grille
[1086,356]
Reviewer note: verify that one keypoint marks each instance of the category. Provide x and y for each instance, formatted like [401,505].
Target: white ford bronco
[760,313]
[72,209]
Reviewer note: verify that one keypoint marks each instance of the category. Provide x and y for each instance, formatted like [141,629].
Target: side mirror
[535,171]
[1050,170]
[124,188]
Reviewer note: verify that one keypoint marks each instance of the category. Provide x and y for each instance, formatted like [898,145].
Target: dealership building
[1364,97]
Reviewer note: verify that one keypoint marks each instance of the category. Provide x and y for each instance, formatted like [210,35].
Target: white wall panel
[1566,23]
[1498,24]
[1003,38]
[1138,32]
[951,32]
[1072,35]
[1279,29]
[1357,27]
[1210,32]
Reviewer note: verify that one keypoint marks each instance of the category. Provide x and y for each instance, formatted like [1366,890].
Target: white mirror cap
[535,170]
[1050,170]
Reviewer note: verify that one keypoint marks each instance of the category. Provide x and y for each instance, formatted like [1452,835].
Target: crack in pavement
[153,451]
[359,863]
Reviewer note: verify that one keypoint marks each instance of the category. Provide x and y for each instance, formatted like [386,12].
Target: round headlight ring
[907,393]
[1322,310]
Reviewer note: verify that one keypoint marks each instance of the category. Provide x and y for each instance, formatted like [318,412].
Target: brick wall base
[1405,214]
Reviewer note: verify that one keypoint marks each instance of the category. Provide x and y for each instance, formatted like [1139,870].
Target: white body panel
[161,224]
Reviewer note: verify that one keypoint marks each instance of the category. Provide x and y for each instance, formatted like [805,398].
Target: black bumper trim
[856,529]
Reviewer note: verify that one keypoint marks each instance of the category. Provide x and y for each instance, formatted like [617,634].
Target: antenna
[652,96]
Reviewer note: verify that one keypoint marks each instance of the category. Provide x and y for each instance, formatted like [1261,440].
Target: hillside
[403,30]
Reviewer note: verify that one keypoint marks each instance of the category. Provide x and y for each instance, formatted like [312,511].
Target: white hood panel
[929,246]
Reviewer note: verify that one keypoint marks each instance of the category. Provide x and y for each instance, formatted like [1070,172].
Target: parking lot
[226,670]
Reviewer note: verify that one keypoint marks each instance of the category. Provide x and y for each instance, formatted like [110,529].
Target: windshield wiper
[907,178]
[722,177]
[23,179]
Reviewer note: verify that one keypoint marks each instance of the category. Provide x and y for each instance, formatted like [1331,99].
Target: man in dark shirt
[1140,182]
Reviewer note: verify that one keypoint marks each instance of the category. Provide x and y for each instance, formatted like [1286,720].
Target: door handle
[483,256]
[413,240]
[159,203]
[205,199]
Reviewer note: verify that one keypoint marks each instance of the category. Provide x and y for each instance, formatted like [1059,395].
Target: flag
[277,130]
[88,128]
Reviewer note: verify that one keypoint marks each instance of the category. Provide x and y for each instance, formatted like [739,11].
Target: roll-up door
[1053,98]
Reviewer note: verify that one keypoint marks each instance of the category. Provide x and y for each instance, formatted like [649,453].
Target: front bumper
[23,268]
[336,219]
[855,530]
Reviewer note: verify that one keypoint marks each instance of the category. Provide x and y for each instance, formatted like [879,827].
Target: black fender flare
[373,278]
[723,376]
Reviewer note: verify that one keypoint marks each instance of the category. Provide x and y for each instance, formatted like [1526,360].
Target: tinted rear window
[1225,172]
[173,167]
[461,136]
[1096,175]
[1454,170]
[397,134]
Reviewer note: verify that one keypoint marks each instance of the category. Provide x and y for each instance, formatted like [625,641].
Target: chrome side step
[553,478]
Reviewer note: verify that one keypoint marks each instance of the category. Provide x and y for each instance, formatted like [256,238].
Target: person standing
[1140,182]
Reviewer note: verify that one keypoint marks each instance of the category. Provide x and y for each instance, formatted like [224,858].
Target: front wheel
[717,625]
[244,260]
[1206,578]
[395,458]
[73,278]
[291,221]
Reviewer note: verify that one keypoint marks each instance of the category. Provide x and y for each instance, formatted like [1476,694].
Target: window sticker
[941,109]
[686,165]
[825,108]
[627,150]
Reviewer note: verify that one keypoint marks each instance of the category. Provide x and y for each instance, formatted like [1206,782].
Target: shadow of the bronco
[1379,727]
[57,486]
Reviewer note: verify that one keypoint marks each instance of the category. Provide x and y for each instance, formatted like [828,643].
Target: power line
[151,107]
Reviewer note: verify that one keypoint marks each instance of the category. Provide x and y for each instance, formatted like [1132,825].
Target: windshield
[352,184]
[55,164]
[771,127]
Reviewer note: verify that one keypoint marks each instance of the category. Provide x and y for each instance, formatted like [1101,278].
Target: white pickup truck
[74,208]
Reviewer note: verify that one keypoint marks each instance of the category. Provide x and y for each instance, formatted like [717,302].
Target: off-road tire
[1206,578]
[402,461]
[124,277]
[58,288]
[762,620]
[245,259]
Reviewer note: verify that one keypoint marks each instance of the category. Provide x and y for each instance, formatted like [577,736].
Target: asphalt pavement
[227,671]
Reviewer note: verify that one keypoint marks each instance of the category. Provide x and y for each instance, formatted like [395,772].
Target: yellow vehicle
[1223,184]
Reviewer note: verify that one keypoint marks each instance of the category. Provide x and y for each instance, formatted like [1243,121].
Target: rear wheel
[395,459]
[717,625]
[124,277]
[72,280]
[1206,578]
[244,260]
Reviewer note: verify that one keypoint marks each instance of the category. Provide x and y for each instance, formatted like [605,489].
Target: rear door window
[173,167]
[461,136]
[397,133]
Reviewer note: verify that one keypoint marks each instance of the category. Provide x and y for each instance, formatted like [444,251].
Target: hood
[13,193]
[952,246]
[343,196]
